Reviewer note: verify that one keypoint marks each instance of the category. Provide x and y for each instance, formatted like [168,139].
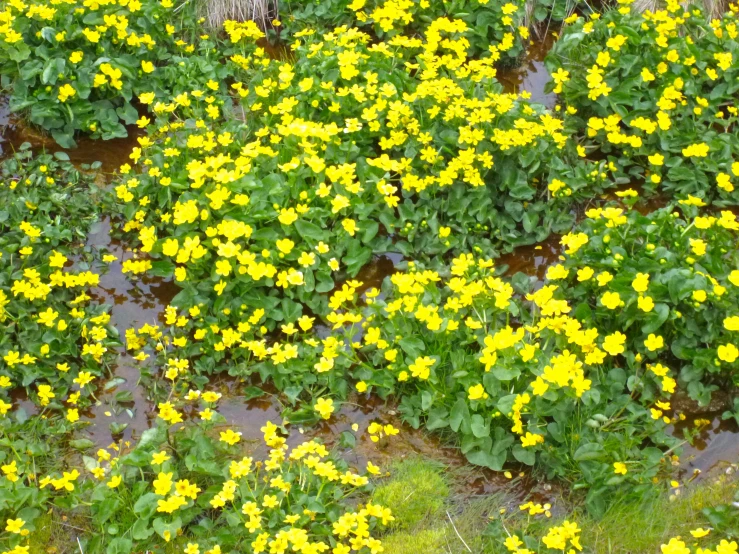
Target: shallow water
[532,75]
[714,449]
[133,303]
[110,153]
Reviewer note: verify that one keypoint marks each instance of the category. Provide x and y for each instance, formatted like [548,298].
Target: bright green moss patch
[417,491]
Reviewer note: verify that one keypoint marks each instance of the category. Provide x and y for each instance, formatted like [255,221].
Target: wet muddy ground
[143,301]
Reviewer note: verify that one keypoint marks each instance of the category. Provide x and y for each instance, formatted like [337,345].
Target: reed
[263,12]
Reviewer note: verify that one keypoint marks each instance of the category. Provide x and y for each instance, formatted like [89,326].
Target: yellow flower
[645,303]
[350,226]
[700,532]
[66,91]
[699,295]
[728,353]
[557,272]
[159,458]
[531,439]
[477,392]
[675,546]
[585,274]
[325,407]
[15,525]
[611,300]
[654,342]
[614,343]
[619,468]
[603,278]
[230,437]
[73,415]
[640,282]
[421,367]
[731,323]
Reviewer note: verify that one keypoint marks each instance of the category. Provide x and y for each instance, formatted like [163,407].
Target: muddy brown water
[134,303]
[532,75]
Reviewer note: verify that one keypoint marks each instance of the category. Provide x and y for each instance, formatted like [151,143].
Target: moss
[428,541]
[416,492]
[57,534]
[40,539]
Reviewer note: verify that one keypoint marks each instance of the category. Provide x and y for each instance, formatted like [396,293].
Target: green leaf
[19,53]
[370,230]
[162,268]
[250,393]
[64,138]
[480,428]
[491,459]
[437,418]
[142,530]
[505,373]
[524,455]
[656,318]
[146,505]
[589,451]
[460,414]
[119,545]
[162,527]
[413,346]
[309,230]
[347,439]
[105,509]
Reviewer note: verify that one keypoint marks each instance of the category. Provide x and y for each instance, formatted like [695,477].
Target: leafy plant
[656,92]
[74,66]
[55,340]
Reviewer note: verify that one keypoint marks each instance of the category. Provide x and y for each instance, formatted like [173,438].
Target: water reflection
[715,446]
[532,75]
[110,153]
[533,260]
[133,304]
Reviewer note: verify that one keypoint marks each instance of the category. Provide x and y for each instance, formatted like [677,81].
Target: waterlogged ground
[135,303]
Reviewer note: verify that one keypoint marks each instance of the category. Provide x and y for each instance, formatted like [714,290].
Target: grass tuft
[416,492]
[428,541]
[261,12]
[641,527]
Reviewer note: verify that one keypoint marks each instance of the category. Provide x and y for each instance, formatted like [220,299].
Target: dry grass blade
[261,12]
[714,9]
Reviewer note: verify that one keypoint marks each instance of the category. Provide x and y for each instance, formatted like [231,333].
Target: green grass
[427,541]
[57,534]
[416,492]
[637,528]
[430,520]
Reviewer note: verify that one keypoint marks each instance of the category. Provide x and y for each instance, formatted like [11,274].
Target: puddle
[133,303]
[110,153]
[279,51]
[532,75]
[248,416]
[715,445]
[714,448]
[374,272]
[533,260]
